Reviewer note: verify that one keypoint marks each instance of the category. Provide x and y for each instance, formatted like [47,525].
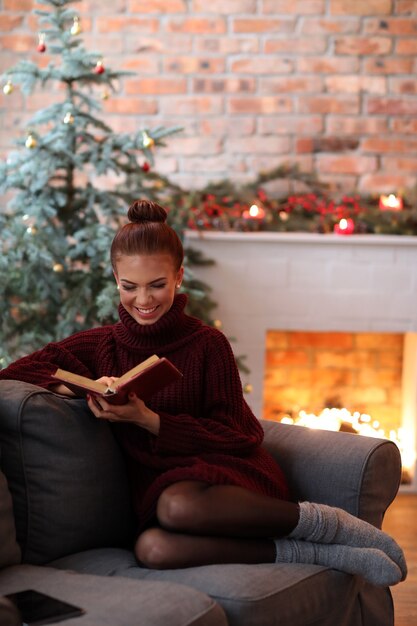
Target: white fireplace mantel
[312,282]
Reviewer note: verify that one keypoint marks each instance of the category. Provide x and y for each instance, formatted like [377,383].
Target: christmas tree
[61,217]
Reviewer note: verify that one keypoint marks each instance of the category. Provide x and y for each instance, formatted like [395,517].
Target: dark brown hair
[147,233]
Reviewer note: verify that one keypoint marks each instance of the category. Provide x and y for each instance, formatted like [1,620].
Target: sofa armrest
[359,474]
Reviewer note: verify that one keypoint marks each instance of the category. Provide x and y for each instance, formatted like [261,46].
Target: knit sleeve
[73,354]
[227,425]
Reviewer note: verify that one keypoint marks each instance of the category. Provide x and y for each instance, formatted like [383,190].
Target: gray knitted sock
[320,523]
[370,563]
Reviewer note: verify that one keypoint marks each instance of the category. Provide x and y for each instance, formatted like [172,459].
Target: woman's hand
[134,411]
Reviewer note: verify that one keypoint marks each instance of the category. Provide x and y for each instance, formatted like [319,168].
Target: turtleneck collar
[170,330]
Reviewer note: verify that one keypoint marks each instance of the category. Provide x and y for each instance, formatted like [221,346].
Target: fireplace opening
[362,382]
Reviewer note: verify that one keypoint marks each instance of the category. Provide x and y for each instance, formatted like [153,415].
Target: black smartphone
[37,608]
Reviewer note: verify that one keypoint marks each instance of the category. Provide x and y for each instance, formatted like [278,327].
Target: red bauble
[41,47]
[99,68]
[146,167]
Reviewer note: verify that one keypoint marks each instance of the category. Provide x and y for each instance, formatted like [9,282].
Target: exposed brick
[154,86]
[404,125]
[224,85]
[315,26]
[264,105]
[297,7]
[327,65]
[233,126]
[192,105]
[125,106]
[157,6]
[254,145]
[334,144]
[141,64]
[18,5]
[18,43]
[347,164]
[391,26]
[329,104]
[300,84]
[287,357]
[392,106]
[276,339]
[384,182]
[228,45]
[345,125]
[403,85]
[194,145]
[406,7]
[97,7]
[380,342]
[296,45]
[388,65]
[261,25]
[296,124]
[197,25]
[334,340]
[358,7]
[407,45]
[355,84]
[9,22]
[402,164]
[194,65]
[262,65]
[122,24]
[363,45]
[225,8]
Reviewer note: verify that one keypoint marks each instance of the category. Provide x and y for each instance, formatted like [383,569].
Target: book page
[134,371]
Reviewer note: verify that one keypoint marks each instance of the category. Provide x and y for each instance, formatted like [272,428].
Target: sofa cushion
[65,472]
[117,601]
[9,549]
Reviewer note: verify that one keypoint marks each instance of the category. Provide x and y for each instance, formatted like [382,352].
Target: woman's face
[147,285]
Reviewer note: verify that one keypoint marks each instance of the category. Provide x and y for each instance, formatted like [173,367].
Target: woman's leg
[157,548]
[195,508]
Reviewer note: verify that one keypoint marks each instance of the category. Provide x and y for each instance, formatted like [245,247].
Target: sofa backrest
[65,472]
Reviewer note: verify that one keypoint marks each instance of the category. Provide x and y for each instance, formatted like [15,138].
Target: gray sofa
[64,493]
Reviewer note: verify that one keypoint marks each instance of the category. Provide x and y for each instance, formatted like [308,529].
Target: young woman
[205,490]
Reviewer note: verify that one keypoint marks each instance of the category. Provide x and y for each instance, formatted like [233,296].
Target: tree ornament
[147,141]
[146,167]
[8,88]
[32,230]
[217,324]
[105,94]
[99,68]
[69,118]
[31,142]
[58,267]
[41,44]
[247,388]
[76,26]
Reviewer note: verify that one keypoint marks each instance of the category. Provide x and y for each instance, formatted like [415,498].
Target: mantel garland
[253,207]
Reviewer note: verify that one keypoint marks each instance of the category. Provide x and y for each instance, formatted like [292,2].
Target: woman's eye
[159,286]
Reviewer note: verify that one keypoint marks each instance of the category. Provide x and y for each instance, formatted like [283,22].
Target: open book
[144,380]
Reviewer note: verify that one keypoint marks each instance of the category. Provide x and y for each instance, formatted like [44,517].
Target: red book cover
[144,380]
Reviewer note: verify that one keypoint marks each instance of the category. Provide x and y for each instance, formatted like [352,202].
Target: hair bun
[146,211]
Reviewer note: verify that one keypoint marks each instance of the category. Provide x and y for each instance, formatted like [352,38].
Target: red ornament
[146,167]
[41,47]
[41,44]
[99,68]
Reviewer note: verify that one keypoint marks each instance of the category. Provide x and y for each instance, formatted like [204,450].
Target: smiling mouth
[146,311]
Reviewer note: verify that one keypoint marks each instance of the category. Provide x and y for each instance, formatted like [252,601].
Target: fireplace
[356,290]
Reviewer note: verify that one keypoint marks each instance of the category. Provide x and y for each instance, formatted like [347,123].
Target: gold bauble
[32,230]
[217,324]
[76,27]
[105,94]
[8,88]
[69,118]
[31,142]
[58,267]
[247,388]
[147,141]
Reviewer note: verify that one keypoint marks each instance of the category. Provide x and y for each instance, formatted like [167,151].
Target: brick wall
[327,84]
[310,371]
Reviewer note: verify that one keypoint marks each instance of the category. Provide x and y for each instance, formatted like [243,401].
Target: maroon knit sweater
[207,433]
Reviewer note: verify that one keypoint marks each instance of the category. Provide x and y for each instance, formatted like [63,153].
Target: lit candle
[254,212]
[344,227]
[390,203]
